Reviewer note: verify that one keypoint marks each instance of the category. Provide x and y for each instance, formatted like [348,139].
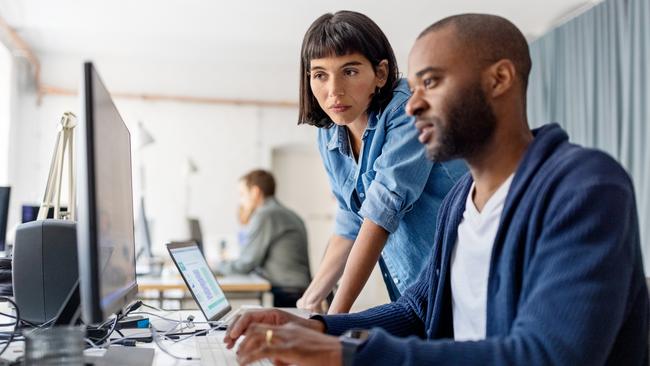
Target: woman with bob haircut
[388,192]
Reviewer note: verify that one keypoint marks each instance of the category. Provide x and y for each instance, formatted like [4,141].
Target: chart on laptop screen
[201,281]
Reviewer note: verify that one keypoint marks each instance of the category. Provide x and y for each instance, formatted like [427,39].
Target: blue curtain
[592,75]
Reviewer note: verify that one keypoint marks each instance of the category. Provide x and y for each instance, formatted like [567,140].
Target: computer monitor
[5,192]
[196,234]
[105,232]
[29,213]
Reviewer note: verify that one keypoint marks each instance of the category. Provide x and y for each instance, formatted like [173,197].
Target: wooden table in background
[238,286]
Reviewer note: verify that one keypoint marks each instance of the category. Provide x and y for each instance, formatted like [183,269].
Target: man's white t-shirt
[470,263]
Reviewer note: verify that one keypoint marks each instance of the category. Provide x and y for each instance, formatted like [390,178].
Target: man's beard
[469,126]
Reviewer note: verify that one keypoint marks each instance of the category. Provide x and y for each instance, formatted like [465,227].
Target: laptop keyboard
[214,352]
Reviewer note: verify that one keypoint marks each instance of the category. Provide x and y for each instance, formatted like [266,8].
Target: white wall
[225,142]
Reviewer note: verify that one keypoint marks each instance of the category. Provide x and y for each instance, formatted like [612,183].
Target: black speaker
[44,267]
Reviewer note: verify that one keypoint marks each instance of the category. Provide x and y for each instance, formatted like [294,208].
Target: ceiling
[235,49]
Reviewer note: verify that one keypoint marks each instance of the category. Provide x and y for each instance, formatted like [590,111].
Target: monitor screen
[4,214]
[200,280]
[30,212]
[105,225]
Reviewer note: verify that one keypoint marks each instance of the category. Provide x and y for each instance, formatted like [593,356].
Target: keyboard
[214,352]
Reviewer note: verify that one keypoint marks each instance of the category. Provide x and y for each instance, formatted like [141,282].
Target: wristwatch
[351,341]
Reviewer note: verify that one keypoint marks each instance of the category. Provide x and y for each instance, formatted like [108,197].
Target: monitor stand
[69,314]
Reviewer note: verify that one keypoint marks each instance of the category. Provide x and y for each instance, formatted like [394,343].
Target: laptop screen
[200,280]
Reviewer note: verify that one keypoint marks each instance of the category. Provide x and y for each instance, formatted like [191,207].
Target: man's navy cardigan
[566,284]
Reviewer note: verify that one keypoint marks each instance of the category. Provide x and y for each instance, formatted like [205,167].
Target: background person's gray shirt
[276,247]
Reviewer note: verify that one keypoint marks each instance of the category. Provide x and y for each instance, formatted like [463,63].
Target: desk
[185,348]
[250,286]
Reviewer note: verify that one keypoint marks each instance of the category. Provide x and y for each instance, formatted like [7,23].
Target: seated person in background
[243,217]
[537,257]
[276,239]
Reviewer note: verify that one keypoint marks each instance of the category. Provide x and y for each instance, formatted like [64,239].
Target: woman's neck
[355,131]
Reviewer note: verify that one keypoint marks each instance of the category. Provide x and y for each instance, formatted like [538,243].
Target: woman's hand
[328,274]
[244,321]
[289,344]
[311,303]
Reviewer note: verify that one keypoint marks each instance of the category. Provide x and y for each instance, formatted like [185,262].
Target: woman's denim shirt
[396,186]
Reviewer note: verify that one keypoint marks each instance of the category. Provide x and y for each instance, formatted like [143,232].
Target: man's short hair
[262,179]
[491,38]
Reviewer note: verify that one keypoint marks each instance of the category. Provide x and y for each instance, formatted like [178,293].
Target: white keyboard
[214,352]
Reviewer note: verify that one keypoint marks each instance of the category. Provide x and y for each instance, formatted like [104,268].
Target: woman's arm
[362,259]
[329,272]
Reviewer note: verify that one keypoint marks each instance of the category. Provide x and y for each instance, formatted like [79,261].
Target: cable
[158,316]
[216,323]
[22,320]
[160,346]
[108,334]
[31,324]
[11,335]
[87,340]
[118,317]
[14,340]
[105,341]
[153,307]
[197,333]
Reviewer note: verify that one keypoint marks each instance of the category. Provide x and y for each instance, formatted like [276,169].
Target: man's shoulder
[578,166]
[275,209]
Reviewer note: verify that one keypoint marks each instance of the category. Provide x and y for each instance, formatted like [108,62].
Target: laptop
[210,298]
[199,279]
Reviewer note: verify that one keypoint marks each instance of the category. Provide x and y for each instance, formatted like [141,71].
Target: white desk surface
[185,348]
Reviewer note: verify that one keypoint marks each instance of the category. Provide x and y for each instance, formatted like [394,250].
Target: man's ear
[501,78]
[381,71]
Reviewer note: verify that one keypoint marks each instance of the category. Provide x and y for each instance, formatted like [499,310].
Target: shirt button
[396,280]
[362,194]
[437,272]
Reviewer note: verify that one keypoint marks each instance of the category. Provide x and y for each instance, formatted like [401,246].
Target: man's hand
[244,213]
[289,344]
[244,321]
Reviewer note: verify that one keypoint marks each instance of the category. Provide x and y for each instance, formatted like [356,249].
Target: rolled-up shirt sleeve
[401,173]
[347,224]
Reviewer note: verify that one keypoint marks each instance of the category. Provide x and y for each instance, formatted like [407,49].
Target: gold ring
[269,336]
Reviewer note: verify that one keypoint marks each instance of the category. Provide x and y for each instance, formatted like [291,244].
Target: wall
[225,142]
